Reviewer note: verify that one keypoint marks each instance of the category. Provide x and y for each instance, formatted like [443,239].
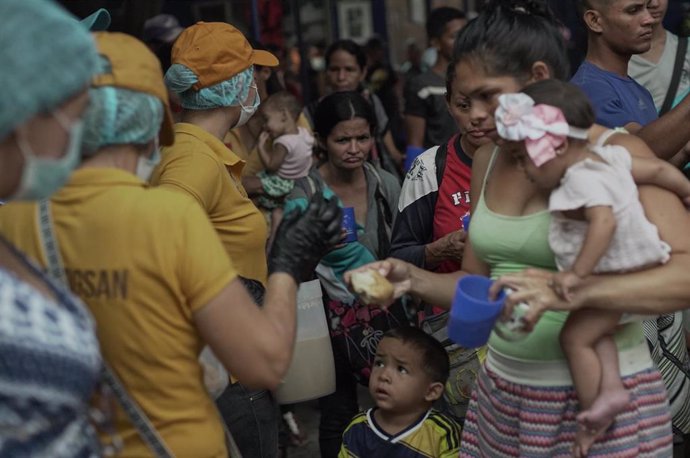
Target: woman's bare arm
[253,343]
[658,290]
[661,289]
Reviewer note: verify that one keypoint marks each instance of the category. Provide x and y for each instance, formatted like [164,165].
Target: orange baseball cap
[216,51]
[134,67]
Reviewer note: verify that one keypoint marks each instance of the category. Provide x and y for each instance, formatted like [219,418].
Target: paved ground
[308,414]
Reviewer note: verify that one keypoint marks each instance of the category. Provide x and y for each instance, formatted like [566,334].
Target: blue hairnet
[229,93]
[47,57]
[120,117]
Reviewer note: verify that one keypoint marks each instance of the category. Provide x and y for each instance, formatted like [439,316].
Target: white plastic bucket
[312,373]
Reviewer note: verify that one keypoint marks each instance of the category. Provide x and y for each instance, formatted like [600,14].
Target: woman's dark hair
[342,106]
[569,98]
[350,47]
[508,37]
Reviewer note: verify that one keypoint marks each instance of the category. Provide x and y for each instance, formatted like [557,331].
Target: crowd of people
[163,200]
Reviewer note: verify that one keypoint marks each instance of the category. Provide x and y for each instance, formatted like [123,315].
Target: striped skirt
[506,419]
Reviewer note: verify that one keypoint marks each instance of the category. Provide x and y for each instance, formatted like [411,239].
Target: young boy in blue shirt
[409,374]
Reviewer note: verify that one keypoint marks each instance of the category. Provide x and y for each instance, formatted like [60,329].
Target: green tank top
[511,244]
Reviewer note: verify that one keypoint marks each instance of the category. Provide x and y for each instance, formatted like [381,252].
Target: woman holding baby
[524,403]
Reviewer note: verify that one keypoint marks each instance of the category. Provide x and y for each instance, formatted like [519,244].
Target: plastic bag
[215,376]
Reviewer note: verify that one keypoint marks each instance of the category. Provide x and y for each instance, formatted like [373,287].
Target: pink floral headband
[542,127]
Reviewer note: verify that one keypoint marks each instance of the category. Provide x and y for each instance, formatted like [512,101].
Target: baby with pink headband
[598,226]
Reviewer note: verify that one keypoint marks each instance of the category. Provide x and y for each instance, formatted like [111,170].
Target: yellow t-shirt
[253,164]
[143,260]
[200,165]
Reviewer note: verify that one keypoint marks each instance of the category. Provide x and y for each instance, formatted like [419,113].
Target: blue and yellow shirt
[432,436]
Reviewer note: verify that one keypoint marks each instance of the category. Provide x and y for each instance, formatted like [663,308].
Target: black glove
[303,238]
[255,289]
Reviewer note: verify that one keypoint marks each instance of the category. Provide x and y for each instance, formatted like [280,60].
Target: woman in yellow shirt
[152,270]
[213,76]
[48,348]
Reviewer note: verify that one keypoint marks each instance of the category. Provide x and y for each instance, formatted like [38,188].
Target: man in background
[427,120]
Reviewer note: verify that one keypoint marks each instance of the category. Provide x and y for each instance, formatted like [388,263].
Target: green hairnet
[229,93]
[119,116]
[46,57]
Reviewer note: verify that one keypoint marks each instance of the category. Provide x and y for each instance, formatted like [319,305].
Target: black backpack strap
[675,77]
[384,224]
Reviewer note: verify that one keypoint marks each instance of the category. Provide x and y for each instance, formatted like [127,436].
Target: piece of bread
[372,287]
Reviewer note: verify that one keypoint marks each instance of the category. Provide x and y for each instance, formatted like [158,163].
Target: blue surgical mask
[248,111]
[42,176]
[146,163]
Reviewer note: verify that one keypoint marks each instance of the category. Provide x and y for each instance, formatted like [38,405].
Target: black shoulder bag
[675,78]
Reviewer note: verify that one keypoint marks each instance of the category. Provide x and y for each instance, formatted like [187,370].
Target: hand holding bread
[372,287]
[380,283]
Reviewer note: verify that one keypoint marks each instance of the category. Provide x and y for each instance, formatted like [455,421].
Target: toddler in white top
[290,155]
[598,225]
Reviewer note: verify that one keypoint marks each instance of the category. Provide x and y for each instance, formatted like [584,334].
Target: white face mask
[42,176]
[248,111]
[318,63]
[146,163]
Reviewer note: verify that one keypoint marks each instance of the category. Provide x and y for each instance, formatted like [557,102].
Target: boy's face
[446,41]
[398,382]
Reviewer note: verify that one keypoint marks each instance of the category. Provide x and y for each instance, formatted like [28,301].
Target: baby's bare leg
[613,397]
[593,360]
[276,218]
[582,332]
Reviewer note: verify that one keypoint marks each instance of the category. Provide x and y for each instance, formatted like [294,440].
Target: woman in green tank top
[524,403]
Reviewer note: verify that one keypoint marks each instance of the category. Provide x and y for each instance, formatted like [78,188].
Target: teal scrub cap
[229,93]
[119,116]
[46,57]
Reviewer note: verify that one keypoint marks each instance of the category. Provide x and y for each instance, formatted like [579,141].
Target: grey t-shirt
[656,78]
[425,96]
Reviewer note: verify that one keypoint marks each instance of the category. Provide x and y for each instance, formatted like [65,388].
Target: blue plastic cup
[349,224]
[466,222]
[411,154]
[472,316]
